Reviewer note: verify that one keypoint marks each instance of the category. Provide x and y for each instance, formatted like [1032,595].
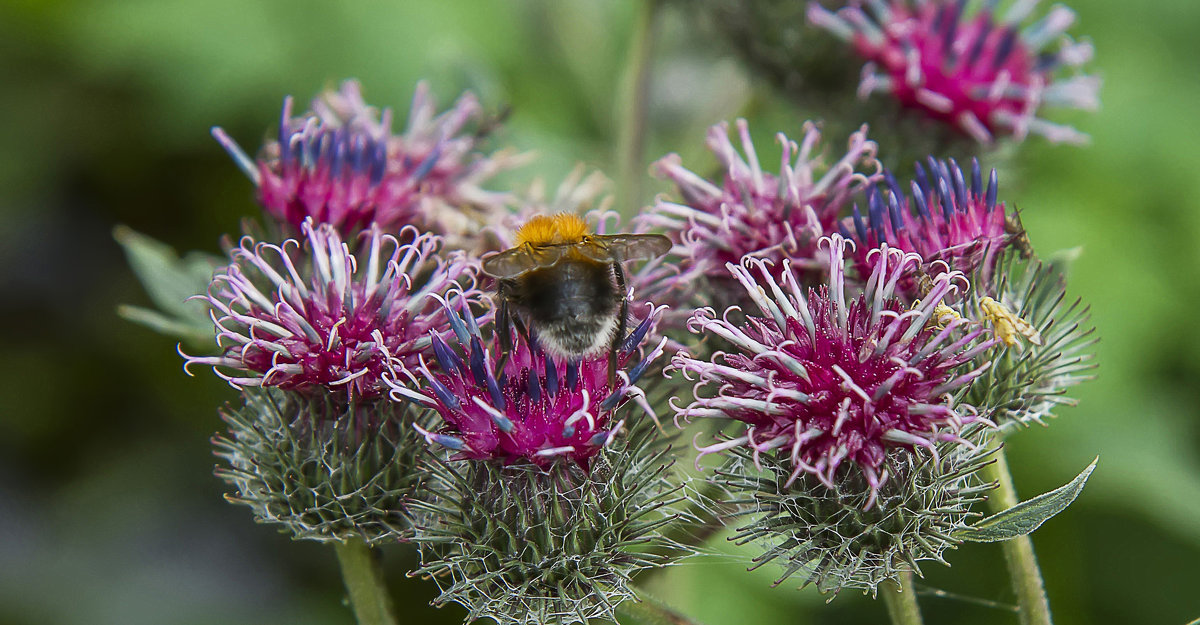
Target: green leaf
[169,281]
[646,610]
[165,325]
[1029,515]
[1062,261]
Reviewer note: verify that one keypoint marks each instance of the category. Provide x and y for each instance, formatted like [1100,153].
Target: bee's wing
[519,260]
[622,247]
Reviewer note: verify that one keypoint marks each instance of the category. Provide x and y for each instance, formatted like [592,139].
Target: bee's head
[552,230]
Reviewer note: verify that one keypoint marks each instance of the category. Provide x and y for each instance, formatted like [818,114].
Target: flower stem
[634,107]
[364,583]
[900,597]
[649,611]
[1018,552]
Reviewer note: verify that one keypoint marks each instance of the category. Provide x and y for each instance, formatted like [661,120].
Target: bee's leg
[503,334]
[622,315]
[523,330]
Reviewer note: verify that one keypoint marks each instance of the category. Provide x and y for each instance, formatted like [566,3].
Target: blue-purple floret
[536,408]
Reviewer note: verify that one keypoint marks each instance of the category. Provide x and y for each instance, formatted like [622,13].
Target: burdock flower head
[340,164]
[547,503]
[750,212]
[985,75]
[833,380]
[312,315]
[856,451]
[524,405]
[947,218]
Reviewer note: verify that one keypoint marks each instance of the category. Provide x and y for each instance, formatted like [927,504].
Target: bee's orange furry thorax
[552,230]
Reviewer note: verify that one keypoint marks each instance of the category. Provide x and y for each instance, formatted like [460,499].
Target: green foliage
[322,471]
[169,280]
[1028,515]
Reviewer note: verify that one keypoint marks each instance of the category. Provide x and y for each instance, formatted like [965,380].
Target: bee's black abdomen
[572,304]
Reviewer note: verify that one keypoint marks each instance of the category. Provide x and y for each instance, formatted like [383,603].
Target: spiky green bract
[829,538]
[524,545]
[319,469]
[1028,382]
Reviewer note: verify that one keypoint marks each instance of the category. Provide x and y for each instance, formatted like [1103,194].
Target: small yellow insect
[943,315]
[1008,326]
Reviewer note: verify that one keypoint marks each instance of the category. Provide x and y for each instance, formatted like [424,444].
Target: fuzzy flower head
[525,406]
[340,164]
[986,75]
[829,380]
[945,219]
[750,212]
[304,315]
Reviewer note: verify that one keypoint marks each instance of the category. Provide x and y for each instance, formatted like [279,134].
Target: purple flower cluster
[987,75]
[312,314]
[750,212]
[341,164]
[524,405]
[831,379]
[945,218]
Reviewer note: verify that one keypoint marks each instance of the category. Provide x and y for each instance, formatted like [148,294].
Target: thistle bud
[321,469]
[551,497]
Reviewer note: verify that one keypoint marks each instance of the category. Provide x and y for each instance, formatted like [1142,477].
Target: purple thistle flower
[302,316]
[751,212]
[985,75]
[340,164]
[947,218]
[828,380]
[535,408]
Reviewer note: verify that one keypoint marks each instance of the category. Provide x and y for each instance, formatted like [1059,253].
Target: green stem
[900,597]
[634,108]
[649,611]
[364,583]
[1018,552]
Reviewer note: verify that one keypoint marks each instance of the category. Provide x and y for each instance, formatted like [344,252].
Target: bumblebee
[567,286]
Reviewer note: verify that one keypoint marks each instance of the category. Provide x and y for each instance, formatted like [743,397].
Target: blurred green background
[109,513]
